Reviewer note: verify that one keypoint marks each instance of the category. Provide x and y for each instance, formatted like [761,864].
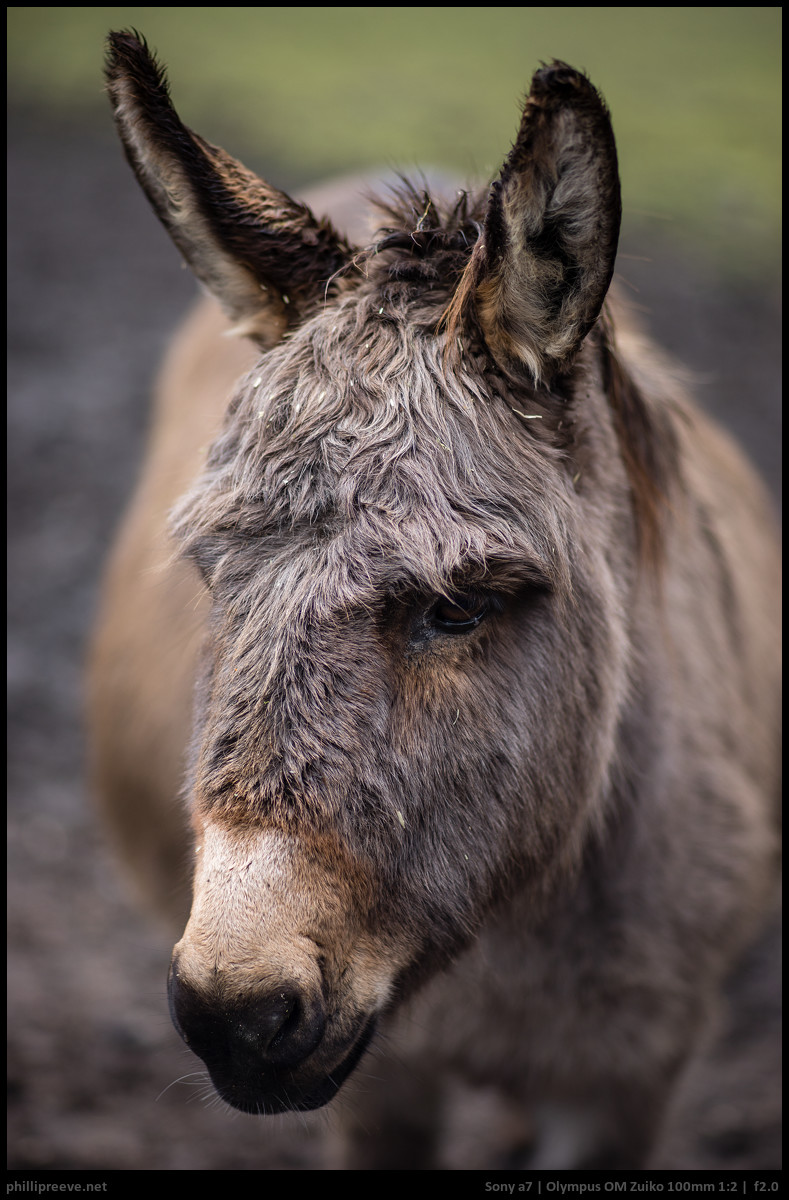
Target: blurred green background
[694,93]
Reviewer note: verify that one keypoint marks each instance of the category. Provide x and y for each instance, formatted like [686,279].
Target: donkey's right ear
[265,258]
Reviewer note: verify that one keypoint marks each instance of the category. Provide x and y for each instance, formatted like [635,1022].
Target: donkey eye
[461,613]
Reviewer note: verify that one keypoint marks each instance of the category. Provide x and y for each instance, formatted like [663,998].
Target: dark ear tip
[126,42]
[131,61]
[559,81]
[126,49]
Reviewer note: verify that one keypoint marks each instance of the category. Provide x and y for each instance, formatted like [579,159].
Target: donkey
[441,651]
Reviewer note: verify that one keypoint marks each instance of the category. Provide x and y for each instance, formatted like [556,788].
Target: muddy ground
[96,1071]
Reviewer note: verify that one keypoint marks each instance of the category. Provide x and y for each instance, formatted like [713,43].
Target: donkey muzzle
[270,1053]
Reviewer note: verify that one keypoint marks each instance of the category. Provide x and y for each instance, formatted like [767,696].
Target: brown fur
[481,620]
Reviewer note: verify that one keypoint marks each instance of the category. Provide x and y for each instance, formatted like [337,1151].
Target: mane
[423,238]
[648,444]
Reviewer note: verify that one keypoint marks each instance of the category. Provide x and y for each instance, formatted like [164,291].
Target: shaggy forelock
[356,431]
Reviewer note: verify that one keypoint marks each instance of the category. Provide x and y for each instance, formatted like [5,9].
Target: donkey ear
[264,257]
[551,227]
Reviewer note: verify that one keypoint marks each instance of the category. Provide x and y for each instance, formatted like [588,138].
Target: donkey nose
[276,1029]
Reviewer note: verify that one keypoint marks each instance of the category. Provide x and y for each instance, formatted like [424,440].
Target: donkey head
[418,534]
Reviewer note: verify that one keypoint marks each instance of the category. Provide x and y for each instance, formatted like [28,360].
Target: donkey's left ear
[264,257]
[551,229]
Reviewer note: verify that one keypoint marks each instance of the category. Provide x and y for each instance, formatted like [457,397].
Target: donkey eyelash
[462,613]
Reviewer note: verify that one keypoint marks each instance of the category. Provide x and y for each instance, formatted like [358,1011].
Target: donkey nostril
[266,1023]
[300,1027]
[290,1019]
